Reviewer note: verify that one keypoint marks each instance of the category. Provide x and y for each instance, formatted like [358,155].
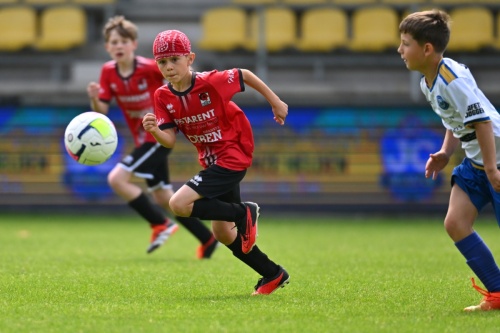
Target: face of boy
[119,48]
[176,69]
[411,52]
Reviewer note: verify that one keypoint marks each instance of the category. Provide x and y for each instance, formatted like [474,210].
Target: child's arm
[95,103]
[486,140]
[440,159]
[279,108]
[166,137]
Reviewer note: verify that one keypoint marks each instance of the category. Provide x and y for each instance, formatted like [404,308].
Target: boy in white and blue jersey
[470,120]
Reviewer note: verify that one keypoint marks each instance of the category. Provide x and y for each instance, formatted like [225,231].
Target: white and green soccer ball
[90,138]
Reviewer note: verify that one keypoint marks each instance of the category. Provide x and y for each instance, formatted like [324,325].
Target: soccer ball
[90,138]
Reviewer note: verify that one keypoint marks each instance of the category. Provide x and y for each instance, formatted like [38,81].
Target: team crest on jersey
[204,99]
[143,85]
[113,87]
[442,103]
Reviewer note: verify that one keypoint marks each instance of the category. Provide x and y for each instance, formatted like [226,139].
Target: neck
[431,74]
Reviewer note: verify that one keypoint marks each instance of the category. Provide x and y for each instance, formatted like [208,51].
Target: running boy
[469,119]
[132,80]
[199,105]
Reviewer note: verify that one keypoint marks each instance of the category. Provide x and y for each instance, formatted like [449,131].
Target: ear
[428,49]
[191,57]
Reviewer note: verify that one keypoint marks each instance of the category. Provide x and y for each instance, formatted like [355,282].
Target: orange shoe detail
[206,250]
[491,300]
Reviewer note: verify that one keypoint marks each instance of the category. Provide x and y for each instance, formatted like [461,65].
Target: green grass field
[61,273]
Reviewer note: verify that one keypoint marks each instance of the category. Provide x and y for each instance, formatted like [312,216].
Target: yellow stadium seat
[223,29]
[353,2]
[254,2]
[93,2]
[304,2]
[404,2]
[279,30]
[452,2]
[323,29]
[45,2]
[472,29]
[17,27]
[62,28]
[374,29]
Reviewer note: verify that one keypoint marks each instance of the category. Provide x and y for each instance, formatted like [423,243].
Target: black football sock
[196,227]
[256,259]
[149,211]
[215,209]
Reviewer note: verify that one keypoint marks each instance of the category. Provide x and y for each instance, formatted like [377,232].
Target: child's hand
[280,112]
[435,163]
[93,89]
[149,122]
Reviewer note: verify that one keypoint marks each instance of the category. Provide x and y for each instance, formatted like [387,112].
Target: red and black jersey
[209,119]
[134,94]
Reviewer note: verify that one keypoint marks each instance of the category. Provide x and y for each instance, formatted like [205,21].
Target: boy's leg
[162,227]
[194,225]
[273,275]
[458,223]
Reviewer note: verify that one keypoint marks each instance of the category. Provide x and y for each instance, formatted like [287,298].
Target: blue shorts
[474,182]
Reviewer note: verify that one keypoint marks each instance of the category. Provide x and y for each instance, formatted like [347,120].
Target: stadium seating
[353,2]
[254,2]
[279,30]
[8,2]
[304,2]
[44,2]
[404,2]
[452,2]
[472,29]
[323,29]
[93,2]
[17,27]
[62,28]
[223,29]
[374,29]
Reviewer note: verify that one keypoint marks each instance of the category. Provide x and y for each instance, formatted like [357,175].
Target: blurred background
[359,130]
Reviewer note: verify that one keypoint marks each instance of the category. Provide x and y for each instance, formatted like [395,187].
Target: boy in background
[470,120]
[199,105]
[132,80]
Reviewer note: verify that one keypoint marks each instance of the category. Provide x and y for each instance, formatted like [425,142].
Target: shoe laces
[487,295]
[259,283]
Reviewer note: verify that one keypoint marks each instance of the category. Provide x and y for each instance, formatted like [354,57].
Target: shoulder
[109,65]
[145,62]
[451,70]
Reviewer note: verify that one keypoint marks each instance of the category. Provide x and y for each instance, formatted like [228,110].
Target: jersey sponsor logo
[205,99]
[139,114]
[135,98]
[196,180]
[474,109]
[442,103]
[207,137]
[196,118]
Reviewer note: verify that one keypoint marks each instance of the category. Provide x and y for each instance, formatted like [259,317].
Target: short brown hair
[124,27]
[431,26]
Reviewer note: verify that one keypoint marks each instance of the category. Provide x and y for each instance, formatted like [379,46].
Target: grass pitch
[61,273]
